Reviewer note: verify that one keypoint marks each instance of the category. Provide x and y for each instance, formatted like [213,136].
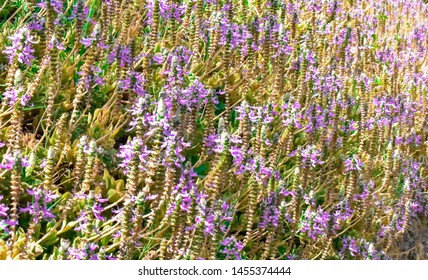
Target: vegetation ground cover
[213,129]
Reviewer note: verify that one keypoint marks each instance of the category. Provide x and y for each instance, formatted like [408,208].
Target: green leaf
[51,239]
[202,170]
[108,180]
[67,227]
[113,195]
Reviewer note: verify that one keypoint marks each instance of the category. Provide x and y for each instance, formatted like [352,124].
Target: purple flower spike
[22,47]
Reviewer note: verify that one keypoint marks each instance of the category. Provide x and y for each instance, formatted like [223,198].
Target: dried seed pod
[15,194]
[252,40]
[176,241]
[217,178]
[215,37]
[53,81]
[199,9]
[33,86]
[294,205]
[268,245]
[190,220]
[88,179]
[279,74]
[173,223]
[117,12]
[78,27]
[81,88]
[267,44]
[351,184]
[125,230]
[388,166]
[125,23]
[253,186]
[79,163]
[50,19]
[294,25]
[48,170]
[139,213]
[105,19]
[326,249]
[155,25]
[162,248]
[335,122]
[209,126]
[153,163]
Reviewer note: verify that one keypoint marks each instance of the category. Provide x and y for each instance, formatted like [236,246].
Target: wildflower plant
[183,129]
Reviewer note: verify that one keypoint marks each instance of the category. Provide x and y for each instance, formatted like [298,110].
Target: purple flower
[316,223]
[24,99]
[22,46]
[11,95]
[57,5]
[97,209]
[124,56]
[270,216]
[209,225]
[5,224]
[158,58]
[349,245]
[130,151]
[171,209]
[238,155]
[77,254]
[3,208]
[353,163]
[311,155]
[343,213]
[87,42]
[8,162]
[285,192]
[232,248]
[41,198]
[36,23]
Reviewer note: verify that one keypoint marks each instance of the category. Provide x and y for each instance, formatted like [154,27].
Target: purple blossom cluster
[22,46]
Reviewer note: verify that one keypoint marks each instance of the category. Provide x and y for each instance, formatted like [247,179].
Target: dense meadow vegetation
[213,129]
